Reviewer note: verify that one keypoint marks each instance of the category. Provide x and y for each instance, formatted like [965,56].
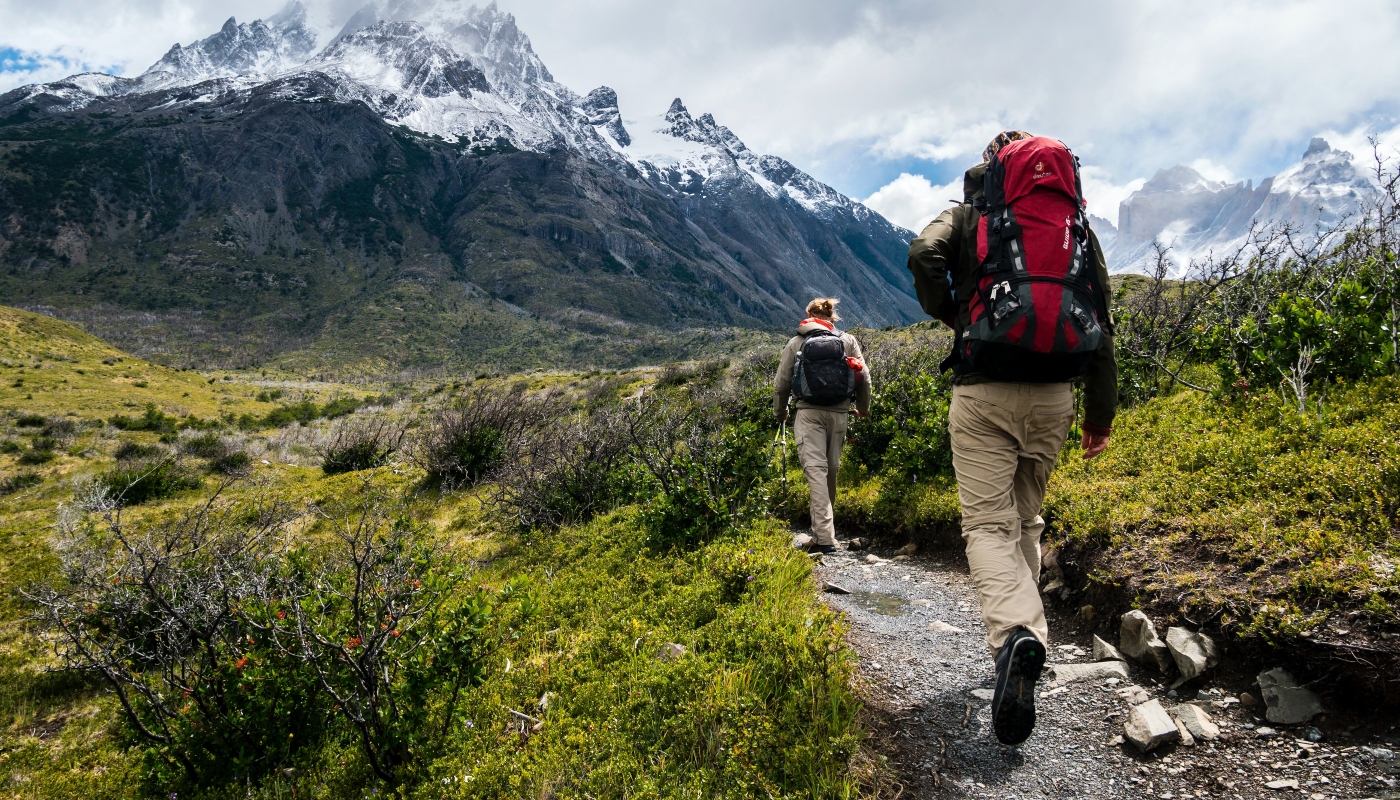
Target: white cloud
[1212,171]
[912,200]
[1102,194]
[1359,142]
[1132,87]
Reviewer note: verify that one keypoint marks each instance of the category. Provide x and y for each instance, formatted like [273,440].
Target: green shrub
[359,444]
[570,472]
[469,437]
[153,420]
[130,451]
[231,650]
[233,463]
[11,446]
[30,421]
[339,407]
[19,481]
[207,445]
[41,451]
[140,481]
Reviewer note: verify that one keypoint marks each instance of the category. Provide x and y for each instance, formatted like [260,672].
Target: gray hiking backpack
[822,376]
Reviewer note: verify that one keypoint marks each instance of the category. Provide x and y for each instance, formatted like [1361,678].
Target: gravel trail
[927,674]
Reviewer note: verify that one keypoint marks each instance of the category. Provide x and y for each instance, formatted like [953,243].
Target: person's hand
[1093,444]
[781,419]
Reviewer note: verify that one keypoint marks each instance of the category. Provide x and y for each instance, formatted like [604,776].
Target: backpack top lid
[1037,163]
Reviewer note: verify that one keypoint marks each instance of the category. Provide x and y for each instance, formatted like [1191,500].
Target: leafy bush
[703,471]
[142,480]
[304,412]
[229,651]
[473,434]
[160,614]
[153,420]
[207,445]
[905,436]
[570,472]
[231,463]
[30,421]
[360,443]
[39,452]
[129,450]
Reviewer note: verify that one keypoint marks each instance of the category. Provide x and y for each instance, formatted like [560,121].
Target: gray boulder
[1099,670]
[803,541]
[1197,722]
[1194,653]
[1149,725]
[1285,702]
[1138,639]
[1103,651]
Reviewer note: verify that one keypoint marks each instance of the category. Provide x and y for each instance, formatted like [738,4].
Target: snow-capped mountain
[425,144]
[1196,216]
[257,50]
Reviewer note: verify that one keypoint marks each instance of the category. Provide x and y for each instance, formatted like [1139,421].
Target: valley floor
[921,687]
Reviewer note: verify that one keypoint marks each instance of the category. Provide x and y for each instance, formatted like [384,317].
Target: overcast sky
[890,101]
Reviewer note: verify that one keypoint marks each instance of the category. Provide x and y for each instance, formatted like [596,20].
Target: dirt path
[931,718]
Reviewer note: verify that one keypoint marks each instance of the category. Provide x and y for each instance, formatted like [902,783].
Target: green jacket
[948,244]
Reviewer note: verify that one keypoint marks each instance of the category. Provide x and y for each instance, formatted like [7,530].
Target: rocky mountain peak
[1317,148]
[402,58]
[601,111]
[257,49]
[1195,216]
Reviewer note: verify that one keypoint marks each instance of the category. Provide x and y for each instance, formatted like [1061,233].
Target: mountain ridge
[1196,216]
[422,154]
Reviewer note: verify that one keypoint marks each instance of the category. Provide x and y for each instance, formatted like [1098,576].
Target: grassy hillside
[51,368]
[639,663]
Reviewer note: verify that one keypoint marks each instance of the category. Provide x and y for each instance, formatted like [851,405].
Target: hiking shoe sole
[1013,704]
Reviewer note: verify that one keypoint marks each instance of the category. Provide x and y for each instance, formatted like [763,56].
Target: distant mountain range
[417,191]
[1195,216]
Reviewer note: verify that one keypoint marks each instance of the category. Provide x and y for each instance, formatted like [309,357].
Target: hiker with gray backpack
[1016,273]
[822,368]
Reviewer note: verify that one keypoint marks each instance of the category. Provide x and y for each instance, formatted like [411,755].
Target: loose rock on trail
[926,675]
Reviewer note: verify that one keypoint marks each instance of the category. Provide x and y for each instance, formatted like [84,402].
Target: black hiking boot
[1013,705]
[824,549]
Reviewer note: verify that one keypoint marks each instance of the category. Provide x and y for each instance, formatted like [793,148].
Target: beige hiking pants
[1006,437]
[820,435]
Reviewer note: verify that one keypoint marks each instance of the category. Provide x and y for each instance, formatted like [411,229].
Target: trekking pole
[780,444]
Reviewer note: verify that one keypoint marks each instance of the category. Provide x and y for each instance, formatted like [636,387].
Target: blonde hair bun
[824,307]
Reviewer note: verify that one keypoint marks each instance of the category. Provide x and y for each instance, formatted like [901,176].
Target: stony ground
[915,624]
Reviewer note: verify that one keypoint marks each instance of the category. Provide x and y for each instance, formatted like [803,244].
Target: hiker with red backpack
[823,369]
[1016,273]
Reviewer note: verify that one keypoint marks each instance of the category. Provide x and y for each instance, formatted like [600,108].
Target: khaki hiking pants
[1006,438]
[820,435]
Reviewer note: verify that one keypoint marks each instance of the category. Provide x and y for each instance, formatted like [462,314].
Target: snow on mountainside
[257,50]
[744,236]
[465,74]
[1195,216]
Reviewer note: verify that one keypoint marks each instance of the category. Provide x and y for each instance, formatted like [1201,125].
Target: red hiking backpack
[1037,313]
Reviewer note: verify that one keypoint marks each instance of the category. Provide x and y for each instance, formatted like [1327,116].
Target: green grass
[759,705]
[1271,518]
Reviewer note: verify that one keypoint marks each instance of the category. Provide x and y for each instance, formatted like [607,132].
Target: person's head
[823,308]
[1001,140]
